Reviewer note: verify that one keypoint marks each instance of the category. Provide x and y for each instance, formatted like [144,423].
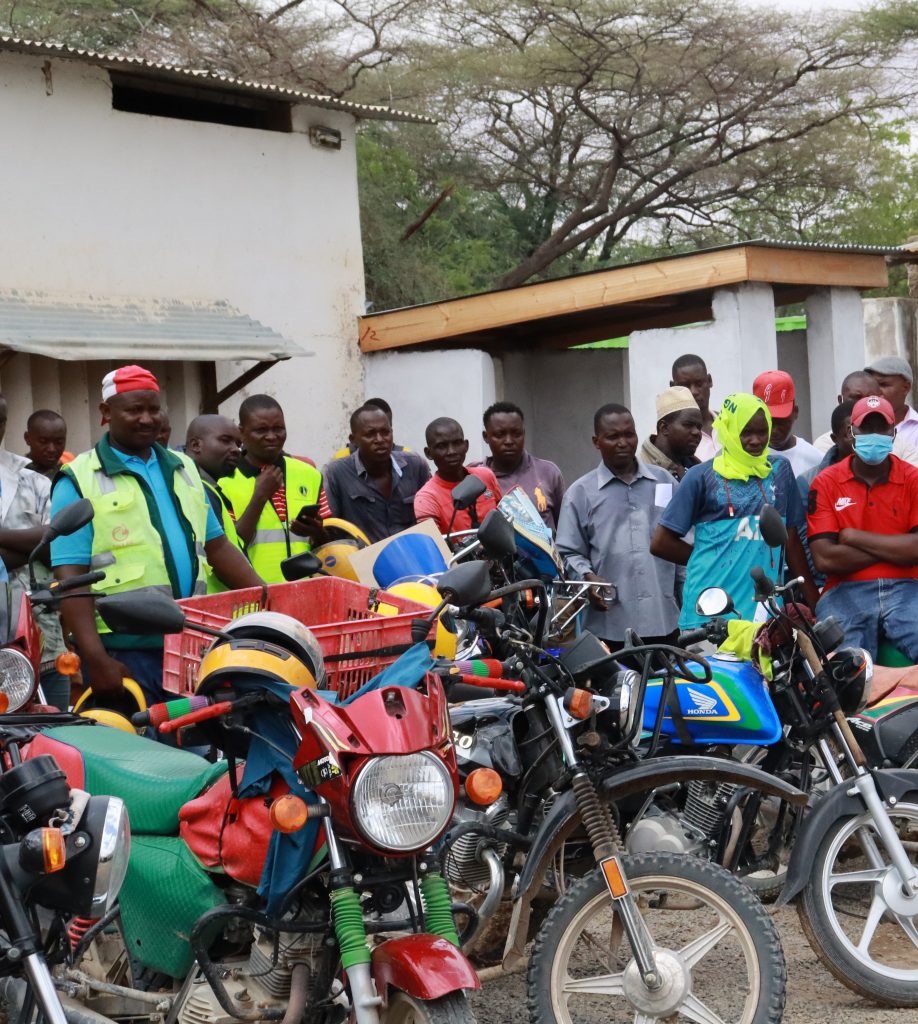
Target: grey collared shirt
[352,494]
[605,527]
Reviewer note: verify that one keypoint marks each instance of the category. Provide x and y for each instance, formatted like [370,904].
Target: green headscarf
[734,462]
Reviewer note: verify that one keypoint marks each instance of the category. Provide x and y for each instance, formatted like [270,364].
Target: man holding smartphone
[274,497]
[374,487]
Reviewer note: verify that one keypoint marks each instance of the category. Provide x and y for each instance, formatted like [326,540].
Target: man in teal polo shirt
[153,528]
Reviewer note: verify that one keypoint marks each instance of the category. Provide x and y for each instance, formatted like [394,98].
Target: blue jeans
[56,689]
[868,608]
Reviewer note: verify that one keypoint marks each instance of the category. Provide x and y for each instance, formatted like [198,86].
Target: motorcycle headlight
[114,852]
[403,803]
[852,674]
[17,678]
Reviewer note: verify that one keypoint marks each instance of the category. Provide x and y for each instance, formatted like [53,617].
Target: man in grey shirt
[374,487]
[607,520]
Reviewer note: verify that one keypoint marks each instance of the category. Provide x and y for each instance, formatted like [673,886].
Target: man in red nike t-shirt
[447,448]
[862,522]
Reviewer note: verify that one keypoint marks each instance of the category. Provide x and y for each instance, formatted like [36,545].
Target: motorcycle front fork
[607,849]
[864,785]
[350,931]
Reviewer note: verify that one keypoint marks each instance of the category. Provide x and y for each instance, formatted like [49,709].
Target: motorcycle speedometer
[403,802]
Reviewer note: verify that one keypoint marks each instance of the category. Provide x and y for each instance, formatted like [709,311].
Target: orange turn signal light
[483,786]
[578,703]
[67,663]
[289,813]
[4,703]
[53,850]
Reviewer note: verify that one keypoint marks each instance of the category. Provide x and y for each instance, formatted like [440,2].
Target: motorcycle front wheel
[853,911]
[405,1009]
[717,950]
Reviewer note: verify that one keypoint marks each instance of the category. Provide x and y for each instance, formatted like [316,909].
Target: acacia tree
[327,48]
[598,118]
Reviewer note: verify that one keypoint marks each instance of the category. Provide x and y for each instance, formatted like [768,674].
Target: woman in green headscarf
[721,500]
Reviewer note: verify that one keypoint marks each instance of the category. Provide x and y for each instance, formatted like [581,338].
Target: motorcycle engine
[463,868]
[263,981]
[691,830]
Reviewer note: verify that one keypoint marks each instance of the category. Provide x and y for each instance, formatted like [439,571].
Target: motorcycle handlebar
[693,636]
[169,710]
[57,588]
[715,631]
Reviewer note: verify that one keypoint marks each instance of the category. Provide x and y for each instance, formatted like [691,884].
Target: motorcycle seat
[153,780]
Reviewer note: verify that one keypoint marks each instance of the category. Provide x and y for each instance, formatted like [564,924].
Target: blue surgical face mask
[873,448]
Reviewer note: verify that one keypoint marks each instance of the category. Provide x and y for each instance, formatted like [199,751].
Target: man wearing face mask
[863,531]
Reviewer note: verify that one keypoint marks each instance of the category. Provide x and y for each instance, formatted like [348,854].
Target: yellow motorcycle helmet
[264,644]
[344,540]
[427,595]
[113,711]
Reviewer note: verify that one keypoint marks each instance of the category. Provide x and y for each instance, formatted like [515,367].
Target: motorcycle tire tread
[453,1008]
[884,992]
[737,894]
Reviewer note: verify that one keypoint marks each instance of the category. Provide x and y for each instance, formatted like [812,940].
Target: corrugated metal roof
[64,327]
[208,79]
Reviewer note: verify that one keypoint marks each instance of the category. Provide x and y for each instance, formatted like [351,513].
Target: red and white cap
[127,378]
[776,389]
[865,407]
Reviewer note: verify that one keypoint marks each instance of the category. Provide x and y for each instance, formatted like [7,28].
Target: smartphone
[308,512]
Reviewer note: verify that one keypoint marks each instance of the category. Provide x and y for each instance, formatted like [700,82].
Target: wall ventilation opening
[187,103]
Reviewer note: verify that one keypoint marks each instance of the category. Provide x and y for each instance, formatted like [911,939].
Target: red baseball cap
[127,378]
[776,389]
[864,407]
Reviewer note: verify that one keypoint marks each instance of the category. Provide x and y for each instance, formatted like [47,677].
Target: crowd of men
[652,525]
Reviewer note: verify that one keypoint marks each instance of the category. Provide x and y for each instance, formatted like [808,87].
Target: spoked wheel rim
[704,933]
[865,907]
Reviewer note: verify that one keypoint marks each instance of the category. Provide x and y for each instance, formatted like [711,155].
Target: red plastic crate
[344,617]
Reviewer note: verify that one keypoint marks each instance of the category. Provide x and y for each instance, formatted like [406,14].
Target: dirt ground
[813,995]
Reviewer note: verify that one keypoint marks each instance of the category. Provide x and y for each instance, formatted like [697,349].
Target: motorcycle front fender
[841,802]
[563,818]
[423,966]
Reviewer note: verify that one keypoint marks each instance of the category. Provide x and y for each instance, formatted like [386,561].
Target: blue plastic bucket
[412,555]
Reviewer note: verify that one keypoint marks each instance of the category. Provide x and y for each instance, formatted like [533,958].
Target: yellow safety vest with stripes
[125,541]
[273,541]
[214,584]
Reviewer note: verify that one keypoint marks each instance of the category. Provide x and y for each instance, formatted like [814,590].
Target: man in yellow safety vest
[153,529]
[275,498]
[214,444]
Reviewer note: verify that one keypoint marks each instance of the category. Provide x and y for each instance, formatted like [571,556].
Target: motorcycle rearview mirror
[713,601]
[496,535]
[469,583]
[147,613]
[300,567]
[70,519]
[772,527]
[467,492]
[67,521]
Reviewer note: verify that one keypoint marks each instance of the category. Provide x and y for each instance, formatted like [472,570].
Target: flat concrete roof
[610,303]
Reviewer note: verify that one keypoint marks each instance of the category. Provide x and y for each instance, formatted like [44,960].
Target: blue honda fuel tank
[735,707]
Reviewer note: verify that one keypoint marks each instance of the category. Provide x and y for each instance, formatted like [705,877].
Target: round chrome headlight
[403,802]
[17,678]
[114,853]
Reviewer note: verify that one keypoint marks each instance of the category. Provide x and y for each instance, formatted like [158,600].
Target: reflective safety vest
[214,584]
[273,541]
[125,543]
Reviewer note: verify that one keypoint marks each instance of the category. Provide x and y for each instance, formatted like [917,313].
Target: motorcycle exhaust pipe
[494,894]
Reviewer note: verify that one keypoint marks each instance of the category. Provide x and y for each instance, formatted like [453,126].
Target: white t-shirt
[802,456]
[707,448]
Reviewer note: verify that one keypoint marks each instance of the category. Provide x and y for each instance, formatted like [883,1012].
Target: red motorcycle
[293,879]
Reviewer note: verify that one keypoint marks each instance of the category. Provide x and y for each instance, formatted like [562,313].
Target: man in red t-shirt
[862,521]
[447,448]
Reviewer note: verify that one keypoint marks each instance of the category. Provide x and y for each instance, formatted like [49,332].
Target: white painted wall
[420,386]
[737,345]
[102,202]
